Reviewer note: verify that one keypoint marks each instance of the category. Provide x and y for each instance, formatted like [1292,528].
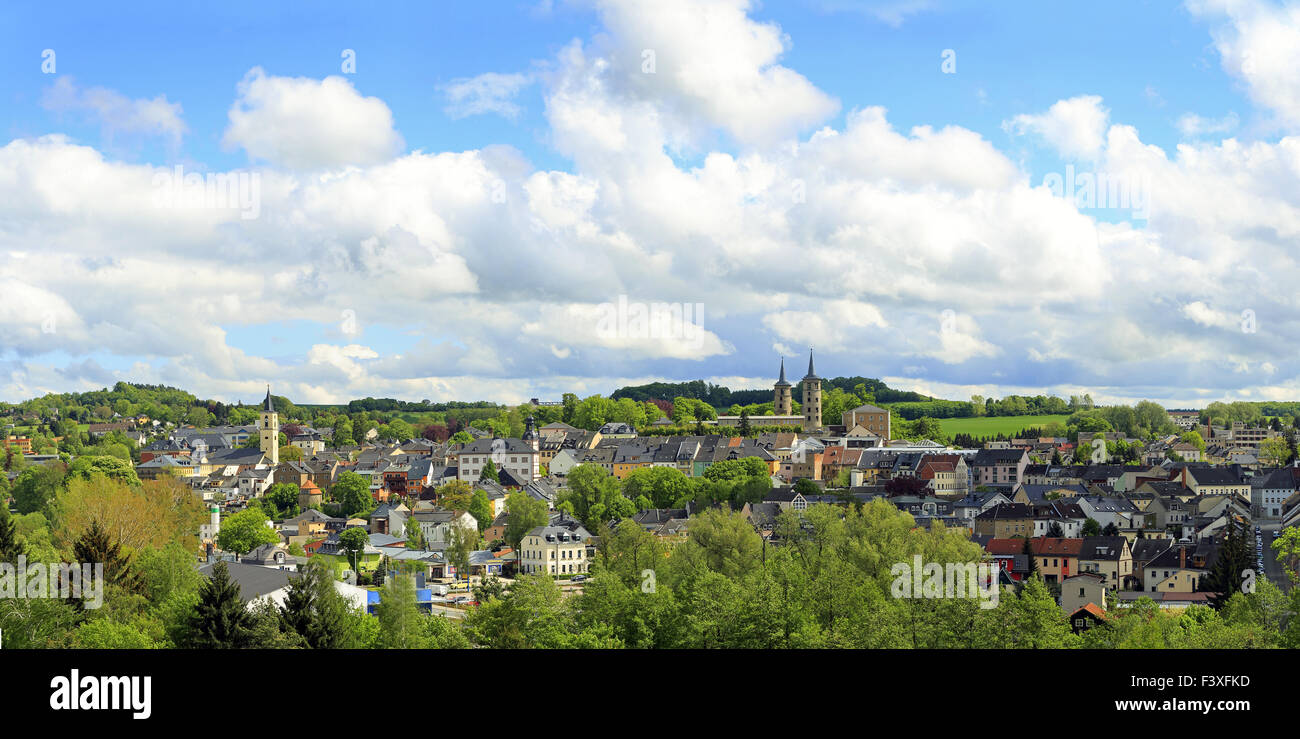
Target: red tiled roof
[1095,610]
[1059,547]
[1005,546]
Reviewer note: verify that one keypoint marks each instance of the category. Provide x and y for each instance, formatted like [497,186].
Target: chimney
[1182,557]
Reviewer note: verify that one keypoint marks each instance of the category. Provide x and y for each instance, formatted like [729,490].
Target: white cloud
[303,123]
[115,112]
[713,64]
[490,92]
[1257,44]
[1075,127]
[853,238]
[1191,125]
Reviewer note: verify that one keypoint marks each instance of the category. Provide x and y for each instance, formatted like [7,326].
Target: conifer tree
[220,620]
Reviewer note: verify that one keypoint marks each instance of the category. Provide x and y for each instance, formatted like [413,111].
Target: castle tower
[812,399]
[270,429]
[783,397]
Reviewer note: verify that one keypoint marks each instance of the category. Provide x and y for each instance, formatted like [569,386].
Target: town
[663,522]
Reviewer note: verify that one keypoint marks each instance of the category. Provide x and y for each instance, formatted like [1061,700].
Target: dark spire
[268,405]
[812,374]
[781,382]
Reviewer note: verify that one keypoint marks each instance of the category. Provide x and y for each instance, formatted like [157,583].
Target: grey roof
[254,580]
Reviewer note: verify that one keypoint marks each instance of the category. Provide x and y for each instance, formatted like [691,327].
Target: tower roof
[268,405]
[781,382]
[812,374]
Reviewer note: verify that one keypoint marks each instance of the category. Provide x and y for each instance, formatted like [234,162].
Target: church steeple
[812,374]
[269,429]
[782,396]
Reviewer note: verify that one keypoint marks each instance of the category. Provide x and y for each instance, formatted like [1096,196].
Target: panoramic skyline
[453,209]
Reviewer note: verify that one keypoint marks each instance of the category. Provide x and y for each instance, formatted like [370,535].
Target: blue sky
[411,244]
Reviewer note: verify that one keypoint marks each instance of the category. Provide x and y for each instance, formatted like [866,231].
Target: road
[1272,568]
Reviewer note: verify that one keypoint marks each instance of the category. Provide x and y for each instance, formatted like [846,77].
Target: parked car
[578,578]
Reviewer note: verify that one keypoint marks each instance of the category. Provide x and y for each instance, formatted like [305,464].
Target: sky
[517,199]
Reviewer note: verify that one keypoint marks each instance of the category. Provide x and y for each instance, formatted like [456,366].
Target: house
[1110,558]
[560,548]
[436,525]
[517,455]
[1269,491]
[1081,590]
[1171,571]
[258,583]
[389,519]
[999,466]
[1009,554]
[976,503]
[1088,616]
[1005,521]
[1056,558]
[870,418]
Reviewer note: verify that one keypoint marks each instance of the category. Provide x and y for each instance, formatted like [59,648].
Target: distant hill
[719,396]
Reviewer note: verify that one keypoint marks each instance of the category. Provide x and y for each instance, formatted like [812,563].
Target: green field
[994,425]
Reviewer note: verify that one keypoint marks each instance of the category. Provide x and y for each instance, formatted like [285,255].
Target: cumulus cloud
[303,123]
[1257,44]
[712,64]
[853,237]
[1075,127]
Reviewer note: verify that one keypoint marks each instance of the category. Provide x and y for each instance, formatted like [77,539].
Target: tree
[315,611]
[282,498]
[353,542]
[806,487]
[220,621]
[596,496]
[1234,558]
[1274,452]
[1091,527]
[352,493]
[111,467]
[489,472]
[665,487]
[400,620]
[36,487]
[480,507]
[1054,531]
[1028,551]
[245,531]
[10,547]
[289,453]
[415,538]
[95,546]
[523,514]
[461,543]
[1110,530]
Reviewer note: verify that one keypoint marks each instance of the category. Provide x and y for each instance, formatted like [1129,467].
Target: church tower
[812,399]
[270,429]
[783,398]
